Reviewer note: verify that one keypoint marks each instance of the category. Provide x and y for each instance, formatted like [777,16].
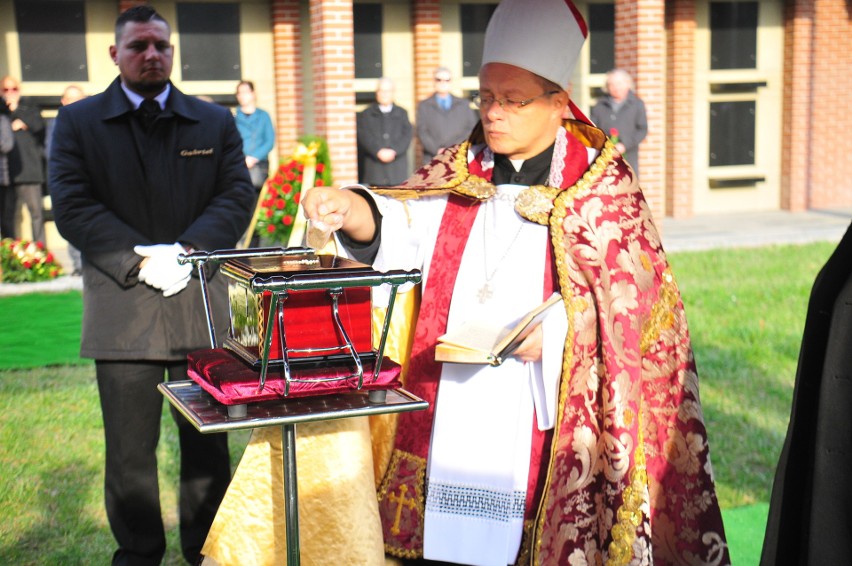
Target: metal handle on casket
[199,258]
[279,285]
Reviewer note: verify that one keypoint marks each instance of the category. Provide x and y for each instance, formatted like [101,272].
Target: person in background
[258,135]
[443,119]
[7,142]
[140,174]
[621,114]
[587,445]
[26,161]
[72,93]
[384,134]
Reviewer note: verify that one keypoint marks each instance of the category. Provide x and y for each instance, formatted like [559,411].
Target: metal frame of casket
[274,276]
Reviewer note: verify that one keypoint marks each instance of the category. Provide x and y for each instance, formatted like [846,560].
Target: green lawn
[746,310]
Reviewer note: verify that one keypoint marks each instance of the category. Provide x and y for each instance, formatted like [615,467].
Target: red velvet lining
[232,382]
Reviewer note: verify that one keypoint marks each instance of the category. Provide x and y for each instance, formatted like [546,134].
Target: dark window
[601,37]
[733,35]
[209,41]
[732,133]
[367,23]
[52,38]
[474,20]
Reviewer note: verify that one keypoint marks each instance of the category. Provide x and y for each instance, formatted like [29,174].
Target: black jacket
[630,121]
[113,188]
[26,160]
[377,130]
[809,511]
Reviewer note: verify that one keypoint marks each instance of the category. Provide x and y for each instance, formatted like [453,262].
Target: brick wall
[333,96]
[680,70]
[829,171]
[426,22]
[286,40]
[640,49]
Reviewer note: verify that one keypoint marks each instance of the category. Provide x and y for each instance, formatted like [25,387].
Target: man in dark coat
[809,509]
[443,120]
[621,114]
[139,174]
[384,134]
[26,163]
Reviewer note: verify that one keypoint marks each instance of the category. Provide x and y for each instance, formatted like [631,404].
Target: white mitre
[542,36]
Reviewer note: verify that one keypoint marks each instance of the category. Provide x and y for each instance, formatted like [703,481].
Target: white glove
[162,270]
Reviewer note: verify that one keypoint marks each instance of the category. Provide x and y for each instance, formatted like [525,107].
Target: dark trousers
[8,200]
[132,408]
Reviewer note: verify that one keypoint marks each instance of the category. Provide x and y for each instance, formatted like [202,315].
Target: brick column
[127,4]
[333,63]
[286,39]
[796,145]
[680,132]
[426,22]
[640,49]
[829,144]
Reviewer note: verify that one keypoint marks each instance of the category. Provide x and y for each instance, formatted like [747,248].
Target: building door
[738,104]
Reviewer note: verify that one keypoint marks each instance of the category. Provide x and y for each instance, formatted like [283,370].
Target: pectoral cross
[485,293]
[401,502]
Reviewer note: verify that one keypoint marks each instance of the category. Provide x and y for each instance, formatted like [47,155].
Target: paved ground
[743,229]
[750,229]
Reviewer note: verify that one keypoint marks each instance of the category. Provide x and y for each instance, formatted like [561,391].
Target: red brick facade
[655,42]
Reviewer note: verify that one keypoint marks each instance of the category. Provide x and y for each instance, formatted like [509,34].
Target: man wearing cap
[587,446]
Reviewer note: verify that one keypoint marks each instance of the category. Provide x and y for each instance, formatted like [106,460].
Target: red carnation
[318,182]
[287,188]
[269,213]
[320,167]
[270,228]
[287,220]
[297,197]
[279,203]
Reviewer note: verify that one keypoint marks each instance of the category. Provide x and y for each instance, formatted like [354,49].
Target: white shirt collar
[136,99]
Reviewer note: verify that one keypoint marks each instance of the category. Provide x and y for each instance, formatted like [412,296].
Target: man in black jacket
[26,163]
[384,134]
[139,174]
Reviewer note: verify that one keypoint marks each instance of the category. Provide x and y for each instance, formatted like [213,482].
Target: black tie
[148,111]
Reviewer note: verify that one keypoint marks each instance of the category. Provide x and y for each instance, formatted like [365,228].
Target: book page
[474,335]
[492,343]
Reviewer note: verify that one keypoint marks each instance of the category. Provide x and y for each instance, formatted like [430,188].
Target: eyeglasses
[507,104]
[437,80]
[10,89]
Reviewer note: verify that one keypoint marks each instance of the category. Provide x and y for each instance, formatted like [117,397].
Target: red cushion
[232,382]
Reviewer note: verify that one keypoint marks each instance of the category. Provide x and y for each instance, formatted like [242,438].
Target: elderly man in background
[384,135]
[443,120]
[621,114]
[26,163]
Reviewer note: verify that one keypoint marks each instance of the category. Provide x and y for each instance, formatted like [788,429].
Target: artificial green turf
[39,329]
[744,527]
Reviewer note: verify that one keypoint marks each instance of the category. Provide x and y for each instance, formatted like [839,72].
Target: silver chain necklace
[487,290]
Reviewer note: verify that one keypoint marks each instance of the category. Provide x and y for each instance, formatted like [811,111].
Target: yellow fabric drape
[337,474]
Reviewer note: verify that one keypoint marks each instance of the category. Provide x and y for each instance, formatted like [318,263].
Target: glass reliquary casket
[300,324]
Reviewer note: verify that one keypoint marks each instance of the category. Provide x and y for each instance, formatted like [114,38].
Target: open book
[478,343]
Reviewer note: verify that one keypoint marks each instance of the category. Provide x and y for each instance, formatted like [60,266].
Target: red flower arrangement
[26,262]
[280,199]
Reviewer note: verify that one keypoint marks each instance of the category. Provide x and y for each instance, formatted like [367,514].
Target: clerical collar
[534,170]
[136,99]
[385,108]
